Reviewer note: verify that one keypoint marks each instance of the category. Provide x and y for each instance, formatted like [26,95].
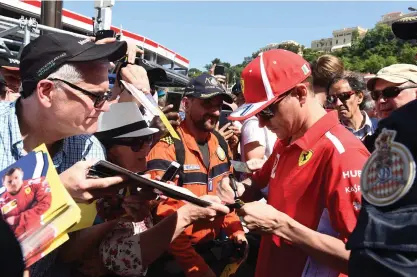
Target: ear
[360,97]
[186,103]
[302,93]
[44,92]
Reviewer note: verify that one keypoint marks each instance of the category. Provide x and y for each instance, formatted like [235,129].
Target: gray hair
[75,73]
[358,84]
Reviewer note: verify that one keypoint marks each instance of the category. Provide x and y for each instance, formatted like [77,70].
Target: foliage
[378,48]
[194,72]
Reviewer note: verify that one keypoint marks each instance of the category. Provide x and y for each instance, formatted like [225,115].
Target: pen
[233,185]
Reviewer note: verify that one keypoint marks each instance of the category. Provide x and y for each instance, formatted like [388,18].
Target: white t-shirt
[252,132]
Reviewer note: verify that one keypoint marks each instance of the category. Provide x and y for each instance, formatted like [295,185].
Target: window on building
[317,45]
[337,41]
[344,40]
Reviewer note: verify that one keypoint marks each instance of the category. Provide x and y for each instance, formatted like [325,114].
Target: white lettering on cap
[84,41]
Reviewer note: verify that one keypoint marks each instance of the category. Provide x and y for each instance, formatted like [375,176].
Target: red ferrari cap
[267,78]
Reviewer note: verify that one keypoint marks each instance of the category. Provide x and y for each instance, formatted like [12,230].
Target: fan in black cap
[48,52]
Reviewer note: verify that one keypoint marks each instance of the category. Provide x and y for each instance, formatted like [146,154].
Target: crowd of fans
[304,130]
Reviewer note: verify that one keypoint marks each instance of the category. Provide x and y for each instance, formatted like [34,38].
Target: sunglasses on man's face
[269,112]
[344,96]
[135,143]
[389,92]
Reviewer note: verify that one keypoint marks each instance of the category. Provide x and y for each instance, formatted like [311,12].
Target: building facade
[389,18]
[290,43]
[341,38]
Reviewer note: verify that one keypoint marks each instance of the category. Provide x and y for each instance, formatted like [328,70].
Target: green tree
[311,55]
[290,47]
[373,64]
[194,72]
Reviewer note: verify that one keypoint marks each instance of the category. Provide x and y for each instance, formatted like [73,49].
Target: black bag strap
[180,154]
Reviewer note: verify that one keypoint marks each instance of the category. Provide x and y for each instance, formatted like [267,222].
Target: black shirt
[205,152]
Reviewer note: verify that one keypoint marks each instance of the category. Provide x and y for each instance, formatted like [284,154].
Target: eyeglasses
[269,112]
[99,100]
[135,143]
[344,96]
[389,92]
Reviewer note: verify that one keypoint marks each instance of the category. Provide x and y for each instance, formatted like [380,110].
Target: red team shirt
[314,180]
[28,205]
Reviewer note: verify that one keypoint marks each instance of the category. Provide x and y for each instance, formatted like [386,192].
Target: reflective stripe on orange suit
[195,179]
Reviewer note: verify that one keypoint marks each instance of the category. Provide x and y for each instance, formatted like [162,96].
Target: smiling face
[384,106]
[204,113]
[349,107]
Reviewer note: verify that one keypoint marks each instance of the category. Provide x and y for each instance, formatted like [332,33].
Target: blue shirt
[367,129]
[73,150]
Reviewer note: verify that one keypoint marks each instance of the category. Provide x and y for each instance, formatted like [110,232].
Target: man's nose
[338,102]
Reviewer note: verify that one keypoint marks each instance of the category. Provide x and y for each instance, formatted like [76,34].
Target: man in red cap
[313,172]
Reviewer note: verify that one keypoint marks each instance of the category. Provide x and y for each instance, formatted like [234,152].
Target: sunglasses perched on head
[99,99]
[344,96]
[135,143]
[389,92]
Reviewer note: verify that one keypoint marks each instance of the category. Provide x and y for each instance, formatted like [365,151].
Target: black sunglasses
[269,112]
[344,96]
[389,92]
[99,100]
[135,143]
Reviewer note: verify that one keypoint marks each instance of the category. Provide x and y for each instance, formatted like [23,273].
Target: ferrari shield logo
[389,173]
[27,190]
[220,153]
[305,156]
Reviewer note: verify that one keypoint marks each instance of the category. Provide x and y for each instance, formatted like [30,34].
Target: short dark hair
[324,69]
[356,82]
[11,171]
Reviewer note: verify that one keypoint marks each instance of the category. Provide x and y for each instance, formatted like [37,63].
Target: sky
[202,31]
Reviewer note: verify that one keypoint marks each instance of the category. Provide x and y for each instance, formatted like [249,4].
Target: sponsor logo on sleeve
[389,173]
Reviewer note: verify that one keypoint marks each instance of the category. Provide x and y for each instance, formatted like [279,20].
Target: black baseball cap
[48,52]
[9,62]
[405,28]
[206,86]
